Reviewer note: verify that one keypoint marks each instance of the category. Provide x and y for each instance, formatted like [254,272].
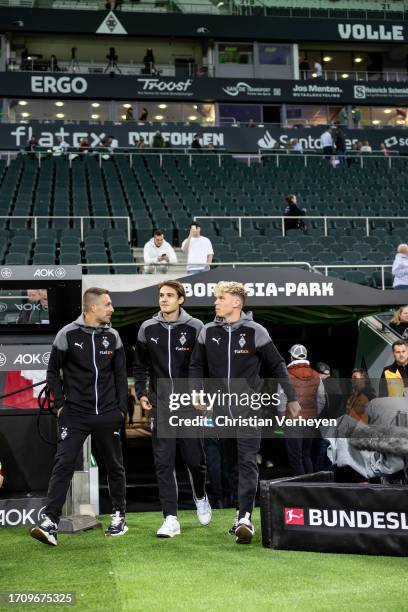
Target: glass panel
[235,54]
[274,54]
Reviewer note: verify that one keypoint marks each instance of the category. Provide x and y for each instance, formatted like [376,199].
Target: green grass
[200,570]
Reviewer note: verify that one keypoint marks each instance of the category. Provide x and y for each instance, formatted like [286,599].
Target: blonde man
[234,347]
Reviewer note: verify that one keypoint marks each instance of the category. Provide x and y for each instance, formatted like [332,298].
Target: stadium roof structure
[285,295]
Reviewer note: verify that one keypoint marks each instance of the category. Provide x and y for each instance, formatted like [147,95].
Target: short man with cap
[311,397]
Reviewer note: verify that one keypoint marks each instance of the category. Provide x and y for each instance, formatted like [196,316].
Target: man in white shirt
[318,69]
[199,250]
[157,253]
[326,140]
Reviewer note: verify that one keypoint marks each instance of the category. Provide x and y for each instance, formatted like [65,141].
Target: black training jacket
[93,364]
[163,351]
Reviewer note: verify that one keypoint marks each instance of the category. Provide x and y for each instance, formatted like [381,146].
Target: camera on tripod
[112,64]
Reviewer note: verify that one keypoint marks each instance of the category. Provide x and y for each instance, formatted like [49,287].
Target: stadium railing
[323,218]
[81,219]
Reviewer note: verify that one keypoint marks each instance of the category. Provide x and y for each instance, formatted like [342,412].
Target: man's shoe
[234,526]
[245,530]
[45,532]
[117,525]
[204,511]
[170,527]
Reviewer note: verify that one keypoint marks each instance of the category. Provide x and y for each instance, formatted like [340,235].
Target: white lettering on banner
[28,359]
[356,519]
[245,88]
[50,84]
[50,273]
[153,84]
[358,31]
[323,289]
[179,139]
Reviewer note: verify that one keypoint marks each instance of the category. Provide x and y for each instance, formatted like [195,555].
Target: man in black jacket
[163,350]
[233,348]
[394,377]
[293,212]
[91,398]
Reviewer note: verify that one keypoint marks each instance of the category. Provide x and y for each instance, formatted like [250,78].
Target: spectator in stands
[304,68]
[384,149]
[296,146]
[251,123]
[60,148]
[113,144]
[158,253]
[343,117]
[356,115]
[399,322]
[140,144]
[32,146]
[365,147]
[326,140]
[158,141]
[83,148]
[292,211]
[311,397]
[199,250]
[318,70]
[149,62]
[400,268]
[129,114]
[144,114]
[196,142]
[361,393]
[394,377]
[54,64]
[340,143]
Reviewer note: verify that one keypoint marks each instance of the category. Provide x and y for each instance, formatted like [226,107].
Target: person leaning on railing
[400,268]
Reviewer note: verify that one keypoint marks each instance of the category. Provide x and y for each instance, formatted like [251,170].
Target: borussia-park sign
[234,139]
[202,89]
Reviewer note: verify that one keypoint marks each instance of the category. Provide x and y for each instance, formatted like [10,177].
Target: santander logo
[294,516]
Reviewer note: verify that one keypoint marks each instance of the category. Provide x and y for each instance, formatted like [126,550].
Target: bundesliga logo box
[313,513]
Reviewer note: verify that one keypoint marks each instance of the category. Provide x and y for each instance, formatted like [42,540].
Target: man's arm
[57,358]
[172,255]
[120,374]
[141,364]
[149,256]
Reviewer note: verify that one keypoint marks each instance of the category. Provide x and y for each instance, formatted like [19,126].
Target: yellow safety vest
[395,383]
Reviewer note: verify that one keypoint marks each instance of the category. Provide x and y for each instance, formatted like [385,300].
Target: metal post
[35,228]
[39,160]
[100,160]
[382,278]
[361,162]
[283,225]
[367,226]
[131,160]
[305,161]
[190,160]
[82,228]
[277,161]
[219,161]
[128,228]
[325,226]
[240,227]
[161,160]
[389,161]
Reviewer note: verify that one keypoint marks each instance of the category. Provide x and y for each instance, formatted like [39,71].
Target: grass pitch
[200,570]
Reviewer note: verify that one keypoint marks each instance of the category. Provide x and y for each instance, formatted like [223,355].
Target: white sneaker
[170,527]
[245,530]
[204,511]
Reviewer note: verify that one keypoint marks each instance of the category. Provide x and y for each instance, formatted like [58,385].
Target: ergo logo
[50,84]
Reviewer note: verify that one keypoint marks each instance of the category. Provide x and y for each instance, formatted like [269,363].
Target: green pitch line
[200,570]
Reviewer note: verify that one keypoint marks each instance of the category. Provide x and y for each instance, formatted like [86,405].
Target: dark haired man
[394,377]
[91,398]
[163,350]
[158,253]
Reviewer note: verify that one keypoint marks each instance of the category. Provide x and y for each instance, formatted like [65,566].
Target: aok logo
[28,359]
[50,273]
[14,517]
[3,360]
[3,307]
[294,516]
[50,84]
[6,273]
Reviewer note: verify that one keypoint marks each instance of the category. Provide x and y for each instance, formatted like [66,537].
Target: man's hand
[145,403]
[293,410]
[163,258]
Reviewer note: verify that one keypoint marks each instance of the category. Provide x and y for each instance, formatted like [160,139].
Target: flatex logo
[6,273]
[359,92]
[3,360]
[65,85]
